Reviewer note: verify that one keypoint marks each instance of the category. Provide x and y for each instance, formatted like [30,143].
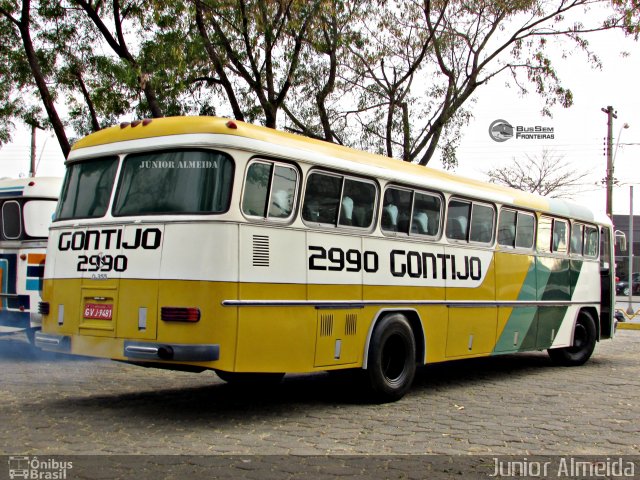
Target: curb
[628,326]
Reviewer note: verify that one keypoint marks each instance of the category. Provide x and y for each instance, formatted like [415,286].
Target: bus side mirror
[621,240]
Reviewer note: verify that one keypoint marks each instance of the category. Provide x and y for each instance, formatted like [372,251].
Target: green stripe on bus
[530,328]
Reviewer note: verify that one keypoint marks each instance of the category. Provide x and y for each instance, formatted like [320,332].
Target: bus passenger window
[426,214]
[269,184]
[507,228]
[525,230]
[283,189]
[256,189]
[458,220]
[481,224]
[605,255]
[544,234]
[576,239]
[358,199]
[396,210]
[322,198]
[591,242]
[560,234]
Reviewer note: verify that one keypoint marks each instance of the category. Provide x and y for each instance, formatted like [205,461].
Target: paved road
[517,404]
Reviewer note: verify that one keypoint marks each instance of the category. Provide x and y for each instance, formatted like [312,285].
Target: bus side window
[356,206]
[269,184]
[322,198]
[507,228]
[605,258]
[591,242]
[525,230]
[458,220]
[560,234]
[426,214]
[283,190]
[256,189]
[396,210]
[481,223]
[544,234]
[576,239]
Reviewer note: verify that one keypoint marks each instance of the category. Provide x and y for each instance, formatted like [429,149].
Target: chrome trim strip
[352,304]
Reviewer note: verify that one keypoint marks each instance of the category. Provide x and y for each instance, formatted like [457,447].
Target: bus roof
[40,187]
[363,162]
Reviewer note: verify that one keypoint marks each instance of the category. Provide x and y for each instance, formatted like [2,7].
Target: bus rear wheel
[584,341]
[391,364]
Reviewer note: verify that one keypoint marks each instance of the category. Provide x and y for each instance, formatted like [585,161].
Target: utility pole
[32,164]
[630,248]
[611,114]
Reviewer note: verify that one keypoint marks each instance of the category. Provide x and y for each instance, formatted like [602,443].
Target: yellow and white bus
[205,243]
[26,207]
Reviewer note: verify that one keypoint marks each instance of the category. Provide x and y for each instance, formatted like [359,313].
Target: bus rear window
[11,220]
[37,217]
[87,189]
[184,181]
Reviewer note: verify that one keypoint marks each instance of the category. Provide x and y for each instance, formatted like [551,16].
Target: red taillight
[180,314]
[232,125]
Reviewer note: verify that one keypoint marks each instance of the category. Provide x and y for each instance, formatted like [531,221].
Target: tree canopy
[394,77]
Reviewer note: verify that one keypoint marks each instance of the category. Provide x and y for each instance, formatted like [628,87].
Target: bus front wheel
[584,341]
[391,363]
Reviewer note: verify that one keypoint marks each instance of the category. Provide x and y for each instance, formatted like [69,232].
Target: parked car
[622,286]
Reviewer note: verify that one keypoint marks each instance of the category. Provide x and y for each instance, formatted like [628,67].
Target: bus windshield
[184,181]
[87,188]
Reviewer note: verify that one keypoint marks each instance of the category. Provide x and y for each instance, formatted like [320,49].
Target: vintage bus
[27,206]
[205,243]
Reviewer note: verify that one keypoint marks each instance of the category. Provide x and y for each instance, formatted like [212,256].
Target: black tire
[247,378]
[584,341]
[391,365]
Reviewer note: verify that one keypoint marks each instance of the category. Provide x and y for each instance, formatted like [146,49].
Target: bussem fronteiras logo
[500,130]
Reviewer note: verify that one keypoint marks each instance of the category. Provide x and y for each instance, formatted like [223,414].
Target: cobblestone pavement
[516,404]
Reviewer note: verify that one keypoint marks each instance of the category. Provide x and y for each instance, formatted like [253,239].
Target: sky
[579,131]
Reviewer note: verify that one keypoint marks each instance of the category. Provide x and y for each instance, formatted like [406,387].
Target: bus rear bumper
[15,319]
[168,351]
[135,350]
[53,343]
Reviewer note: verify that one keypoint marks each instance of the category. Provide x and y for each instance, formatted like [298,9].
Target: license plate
[99,311]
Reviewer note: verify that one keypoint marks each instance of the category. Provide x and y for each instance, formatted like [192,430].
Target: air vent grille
[260,251]
[350,324]
[326,325]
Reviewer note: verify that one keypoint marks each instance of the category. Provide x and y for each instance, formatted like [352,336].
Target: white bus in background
[27,206]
